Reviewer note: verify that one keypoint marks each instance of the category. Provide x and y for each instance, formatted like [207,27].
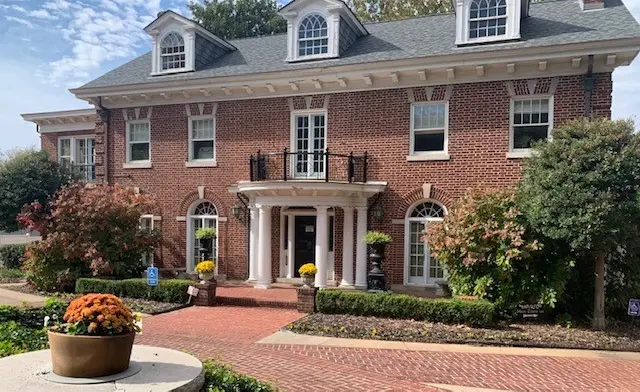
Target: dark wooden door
[305,241]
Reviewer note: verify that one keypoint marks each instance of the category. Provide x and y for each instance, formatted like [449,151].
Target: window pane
[202,129]
[139,132]
[65,148]
[139,151]
[428,142]
[203,149]
[429,116]
[523,137]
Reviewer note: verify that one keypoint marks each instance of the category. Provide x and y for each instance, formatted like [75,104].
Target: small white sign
[193,291]
[308,229]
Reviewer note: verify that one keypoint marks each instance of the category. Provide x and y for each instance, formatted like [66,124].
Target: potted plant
[375,278]
[95,339]
[377,241]
[206,270]
[206,235]
[308,272]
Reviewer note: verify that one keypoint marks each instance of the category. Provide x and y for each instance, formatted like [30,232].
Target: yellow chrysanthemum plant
[206,267]
[308,269]
[98,315]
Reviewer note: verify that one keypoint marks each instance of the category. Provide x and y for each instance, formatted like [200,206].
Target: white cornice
[63,121]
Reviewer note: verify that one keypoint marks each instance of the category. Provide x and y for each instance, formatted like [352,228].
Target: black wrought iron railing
[318,165]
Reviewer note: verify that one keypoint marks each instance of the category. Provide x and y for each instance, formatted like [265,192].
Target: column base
[346,285]
[360,286]
[252,280]
[262,286]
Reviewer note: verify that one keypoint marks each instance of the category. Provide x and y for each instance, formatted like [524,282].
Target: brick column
[206,293]
[307,299]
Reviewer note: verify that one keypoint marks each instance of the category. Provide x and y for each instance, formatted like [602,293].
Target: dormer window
[488,18]
[483,21]
[173,55]
[313,37]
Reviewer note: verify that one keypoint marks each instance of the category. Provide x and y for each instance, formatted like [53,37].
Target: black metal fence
[319,166]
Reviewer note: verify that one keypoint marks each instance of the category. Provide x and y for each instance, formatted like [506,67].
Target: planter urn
[376,281]
[206,277]
[81,356]
[308,280]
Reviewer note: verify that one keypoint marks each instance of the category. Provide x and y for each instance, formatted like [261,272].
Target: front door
[305,241]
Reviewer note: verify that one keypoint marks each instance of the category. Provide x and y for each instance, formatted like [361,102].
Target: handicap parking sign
[634,307]
[152,276]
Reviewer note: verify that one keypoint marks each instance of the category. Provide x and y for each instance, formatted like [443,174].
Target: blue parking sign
[152,276]
[634,307]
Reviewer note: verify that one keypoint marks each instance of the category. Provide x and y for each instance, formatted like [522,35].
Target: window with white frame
[172,52]
[78,153]
[313,37]
[146,225]
[429,123]
[487,18]
[138,141]
[420,267]
[203,214]
[531,121]
[309,144]
[202,139]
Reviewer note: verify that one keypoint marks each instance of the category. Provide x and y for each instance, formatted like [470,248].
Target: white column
[322,246]
[291,255]
[253,243]
[361,249]
[347,248]
[264,248]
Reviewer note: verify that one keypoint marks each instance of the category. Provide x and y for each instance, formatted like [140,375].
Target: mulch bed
[136,304]
[619,336]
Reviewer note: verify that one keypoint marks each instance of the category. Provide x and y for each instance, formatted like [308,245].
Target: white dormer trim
[463,7]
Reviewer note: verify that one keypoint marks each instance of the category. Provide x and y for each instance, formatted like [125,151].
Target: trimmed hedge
[172,290]
[399,306]
[219,377]
[11,255]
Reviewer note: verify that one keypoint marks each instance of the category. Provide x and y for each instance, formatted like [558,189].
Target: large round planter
[308,280]
[90,356]
[206,277]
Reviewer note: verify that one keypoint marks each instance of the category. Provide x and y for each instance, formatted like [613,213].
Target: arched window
[201,214]
[313,38]
[420,267]
[487,18]
[172,52]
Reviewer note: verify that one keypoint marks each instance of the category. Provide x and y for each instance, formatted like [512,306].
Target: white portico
[308,208]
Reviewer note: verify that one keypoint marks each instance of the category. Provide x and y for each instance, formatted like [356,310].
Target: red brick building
[292,146]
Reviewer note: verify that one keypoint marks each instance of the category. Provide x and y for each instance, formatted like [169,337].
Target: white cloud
[42,14]
[20,20]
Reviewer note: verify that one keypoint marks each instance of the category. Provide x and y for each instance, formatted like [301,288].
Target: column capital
[347,208]
[263,207]
[361,208]
[322,208]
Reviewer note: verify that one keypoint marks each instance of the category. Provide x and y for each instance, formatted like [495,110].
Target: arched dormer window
[487,18]
[313,36]
[172,52]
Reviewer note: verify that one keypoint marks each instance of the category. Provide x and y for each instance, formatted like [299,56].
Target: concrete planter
[308,280]
[90,356]
[206,277]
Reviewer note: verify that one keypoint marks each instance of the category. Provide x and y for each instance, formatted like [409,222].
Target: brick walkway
[230,333]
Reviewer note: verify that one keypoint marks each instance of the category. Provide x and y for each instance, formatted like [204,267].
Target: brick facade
[377,121]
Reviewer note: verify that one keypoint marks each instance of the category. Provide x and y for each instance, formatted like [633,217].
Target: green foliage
[206,232]
[396,306]
[33,317]
[221,378]
[16,339]
[376,237]
[11,255]
[230,19]
[171,290]
[384,10]
[89,231]
[10,273]
[27,176]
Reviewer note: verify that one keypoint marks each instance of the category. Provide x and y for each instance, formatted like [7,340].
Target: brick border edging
[252,302]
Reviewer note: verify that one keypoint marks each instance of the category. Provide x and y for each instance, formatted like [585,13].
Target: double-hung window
[531,121]
[202,140]
[138,142]
[429,129]
[78,153]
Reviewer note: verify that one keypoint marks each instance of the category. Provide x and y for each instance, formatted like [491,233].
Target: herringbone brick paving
[230,333]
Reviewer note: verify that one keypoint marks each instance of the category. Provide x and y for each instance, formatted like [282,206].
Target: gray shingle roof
[550,23]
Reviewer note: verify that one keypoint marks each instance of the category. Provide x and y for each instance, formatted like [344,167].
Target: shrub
[33,317]
[173,290]
[10,274]
[11,255]
[16,338]
[398,306]
[221,378]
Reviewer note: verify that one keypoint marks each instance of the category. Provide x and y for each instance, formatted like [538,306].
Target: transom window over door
[309,144]
[313,37]
[203,214]
[172,53]
[429,128]
[487,18]
[420,267]
[531,121]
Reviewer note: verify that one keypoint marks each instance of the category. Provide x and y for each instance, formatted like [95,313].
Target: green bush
[174,290]
[221,378]
[8,273]
[16,338]
[33,317]
[398,306]
[11,255]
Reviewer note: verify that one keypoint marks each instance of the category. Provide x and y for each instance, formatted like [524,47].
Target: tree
[231,19]
[27,176]
[384,10]
[582,188]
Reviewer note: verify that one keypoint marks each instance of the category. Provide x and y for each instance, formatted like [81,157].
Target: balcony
[308,166]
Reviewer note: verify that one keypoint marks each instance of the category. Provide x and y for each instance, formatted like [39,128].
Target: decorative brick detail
[206,293]
[307,299]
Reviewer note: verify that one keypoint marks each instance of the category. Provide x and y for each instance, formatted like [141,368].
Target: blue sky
[49,46]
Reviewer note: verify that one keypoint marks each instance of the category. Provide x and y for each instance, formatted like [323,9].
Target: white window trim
[72,142]
[201,162]
[191,232]
[189,38]
[293,135]
[129,164]
[463,8]
[333,35]
[527,152]
[429,155]
[429,282]
[152,219]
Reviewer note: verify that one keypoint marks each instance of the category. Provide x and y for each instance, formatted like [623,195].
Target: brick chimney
[592,4]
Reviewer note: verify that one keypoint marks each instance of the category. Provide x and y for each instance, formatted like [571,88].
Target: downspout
[589,86]
[104,116]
